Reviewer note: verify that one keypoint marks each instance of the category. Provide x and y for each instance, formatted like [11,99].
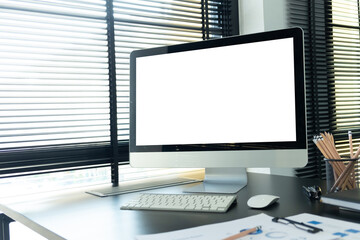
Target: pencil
[243,233]
[351,144]
[326,144]
[345,175]
[356,155]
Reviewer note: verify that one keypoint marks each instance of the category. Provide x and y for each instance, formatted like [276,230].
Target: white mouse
[262,200]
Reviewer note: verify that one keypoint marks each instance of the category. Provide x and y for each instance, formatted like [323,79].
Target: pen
[243,233]
[299,225]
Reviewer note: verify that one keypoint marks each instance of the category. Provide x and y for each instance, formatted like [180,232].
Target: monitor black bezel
[301,138]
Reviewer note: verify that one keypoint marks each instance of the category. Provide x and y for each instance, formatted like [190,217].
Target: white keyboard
[181,202]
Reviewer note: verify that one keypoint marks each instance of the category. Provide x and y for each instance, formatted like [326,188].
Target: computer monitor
[223,105]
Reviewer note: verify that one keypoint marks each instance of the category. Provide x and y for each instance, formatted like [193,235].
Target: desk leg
[4,228]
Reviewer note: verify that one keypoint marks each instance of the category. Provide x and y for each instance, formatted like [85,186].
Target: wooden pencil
[243,233]
[342,173]
[350,144]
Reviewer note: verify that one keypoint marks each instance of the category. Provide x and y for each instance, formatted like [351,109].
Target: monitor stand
[221,180]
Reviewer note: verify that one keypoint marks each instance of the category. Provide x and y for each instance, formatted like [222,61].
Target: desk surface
[78,215]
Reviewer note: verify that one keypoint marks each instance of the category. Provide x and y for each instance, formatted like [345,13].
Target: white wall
[251,16]
[259,16]
[275,16]
[262,15]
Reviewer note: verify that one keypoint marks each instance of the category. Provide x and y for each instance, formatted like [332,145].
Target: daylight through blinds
[64,63]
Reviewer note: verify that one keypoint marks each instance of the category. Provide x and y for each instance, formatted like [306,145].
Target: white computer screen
[242,93]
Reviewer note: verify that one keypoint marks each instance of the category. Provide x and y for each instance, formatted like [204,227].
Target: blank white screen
[232,94]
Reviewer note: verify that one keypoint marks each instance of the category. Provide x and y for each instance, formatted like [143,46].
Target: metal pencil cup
[340,174]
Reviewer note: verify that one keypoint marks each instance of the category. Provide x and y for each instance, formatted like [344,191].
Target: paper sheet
[338,229]
[333,230]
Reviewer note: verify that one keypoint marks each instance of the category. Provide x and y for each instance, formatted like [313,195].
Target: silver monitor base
[221,180]
[141,185]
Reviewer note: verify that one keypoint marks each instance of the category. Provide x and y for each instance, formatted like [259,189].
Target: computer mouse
[262,200]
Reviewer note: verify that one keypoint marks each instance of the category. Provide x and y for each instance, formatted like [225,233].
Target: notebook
[346,199]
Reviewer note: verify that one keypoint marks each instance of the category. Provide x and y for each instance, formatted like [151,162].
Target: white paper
[338,229]
[333,230]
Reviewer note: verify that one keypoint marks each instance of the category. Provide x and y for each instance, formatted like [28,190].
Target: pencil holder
[340,174]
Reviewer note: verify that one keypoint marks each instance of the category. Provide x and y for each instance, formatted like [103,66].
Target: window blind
[64,88]
[332,46]
[344,72]
[310,16]
[54,85]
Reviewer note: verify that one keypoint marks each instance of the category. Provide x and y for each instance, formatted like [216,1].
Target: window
[64,74]
[332,44]
[344,64]
[310,16]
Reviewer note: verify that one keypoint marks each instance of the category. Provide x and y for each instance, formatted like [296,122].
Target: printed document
[332,230]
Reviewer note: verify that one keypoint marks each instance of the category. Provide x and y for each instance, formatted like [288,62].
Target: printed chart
[332,230]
